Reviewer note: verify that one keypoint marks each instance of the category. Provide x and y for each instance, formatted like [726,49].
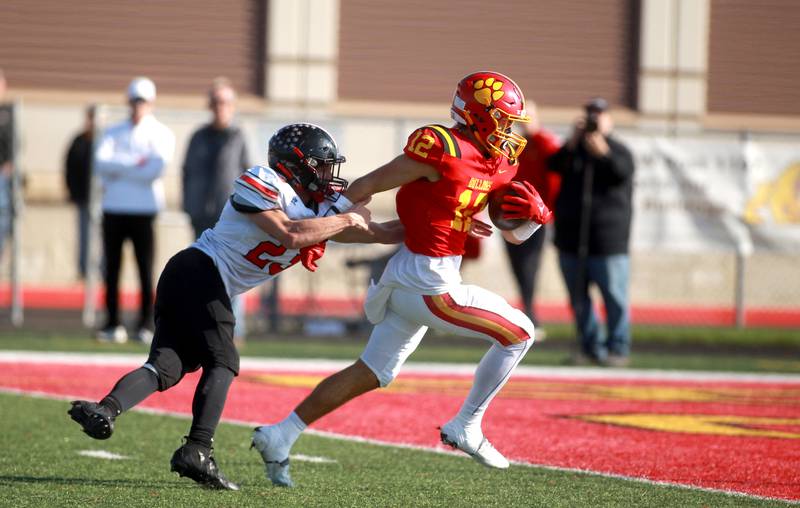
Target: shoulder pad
[430,143]
[258,188]
[446,138]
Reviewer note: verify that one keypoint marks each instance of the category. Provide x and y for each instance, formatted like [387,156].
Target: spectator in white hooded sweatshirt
[130,160]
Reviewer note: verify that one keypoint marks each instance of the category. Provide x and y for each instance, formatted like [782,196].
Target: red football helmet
[489,103]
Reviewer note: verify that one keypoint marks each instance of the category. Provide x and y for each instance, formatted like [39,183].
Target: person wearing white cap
[130,160]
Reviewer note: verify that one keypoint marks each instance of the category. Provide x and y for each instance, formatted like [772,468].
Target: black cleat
[197,462]
[96,420]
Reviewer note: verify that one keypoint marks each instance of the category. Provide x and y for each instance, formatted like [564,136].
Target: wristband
[525,231]
[341,205]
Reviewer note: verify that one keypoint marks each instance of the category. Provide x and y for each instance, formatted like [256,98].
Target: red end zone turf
[733,436]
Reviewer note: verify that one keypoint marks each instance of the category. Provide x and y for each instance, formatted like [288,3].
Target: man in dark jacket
[593,224]
[216,156]
[78,176]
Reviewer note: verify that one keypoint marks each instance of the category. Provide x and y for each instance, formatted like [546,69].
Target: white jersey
[244,254]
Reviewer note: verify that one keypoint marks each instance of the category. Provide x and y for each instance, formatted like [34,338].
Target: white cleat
[477,447]
[112,334]
[144,336]
[274,453]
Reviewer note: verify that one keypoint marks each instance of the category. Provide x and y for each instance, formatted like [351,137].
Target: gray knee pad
[167,365]
[520,348]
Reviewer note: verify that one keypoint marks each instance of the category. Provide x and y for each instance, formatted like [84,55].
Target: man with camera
[592,230]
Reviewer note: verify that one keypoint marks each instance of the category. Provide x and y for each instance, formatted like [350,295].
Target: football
[496,209]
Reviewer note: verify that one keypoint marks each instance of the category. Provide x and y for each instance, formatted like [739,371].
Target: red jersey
[437,215]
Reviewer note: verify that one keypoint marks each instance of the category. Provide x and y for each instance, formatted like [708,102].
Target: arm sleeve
[341,205]
[521,233]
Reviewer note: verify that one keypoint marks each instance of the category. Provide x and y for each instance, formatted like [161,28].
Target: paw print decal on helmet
[488,91]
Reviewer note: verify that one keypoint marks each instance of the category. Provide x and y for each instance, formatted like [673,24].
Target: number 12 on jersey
[467,208]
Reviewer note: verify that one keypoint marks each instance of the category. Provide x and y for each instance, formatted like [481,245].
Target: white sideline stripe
[438,449]
[102,454]
[413,367]
[311,458]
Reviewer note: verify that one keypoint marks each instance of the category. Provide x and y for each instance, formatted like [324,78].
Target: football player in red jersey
[445,175]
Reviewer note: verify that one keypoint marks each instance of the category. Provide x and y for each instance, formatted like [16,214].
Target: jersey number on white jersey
[271,250]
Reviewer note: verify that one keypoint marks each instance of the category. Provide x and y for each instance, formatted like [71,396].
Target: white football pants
[466,310]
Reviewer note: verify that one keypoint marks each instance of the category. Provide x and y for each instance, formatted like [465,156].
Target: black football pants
[525,259]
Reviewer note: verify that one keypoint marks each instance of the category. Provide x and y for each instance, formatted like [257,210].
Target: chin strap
[297,185]
[287,175]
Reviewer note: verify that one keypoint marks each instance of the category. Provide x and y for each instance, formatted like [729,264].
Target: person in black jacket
[6,163]
[216,156]
[78,176]
[592,230]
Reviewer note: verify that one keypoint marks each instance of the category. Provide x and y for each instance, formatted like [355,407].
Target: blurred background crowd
[702,93]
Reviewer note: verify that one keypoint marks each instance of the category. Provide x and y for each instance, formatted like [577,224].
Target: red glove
[310,254]
[526,205]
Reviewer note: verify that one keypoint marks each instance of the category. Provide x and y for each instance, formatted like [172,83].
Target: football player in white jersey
[278,216]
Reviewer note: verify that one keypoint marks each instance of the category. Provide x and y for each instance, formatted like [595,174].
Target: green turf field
[40,466]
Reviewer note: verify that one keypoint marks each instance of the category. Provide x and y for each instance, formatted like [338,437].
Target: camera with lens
[594,108]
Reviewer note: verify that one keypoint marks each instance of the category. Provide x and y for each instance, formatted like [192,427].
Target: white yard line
[313,459]
[102,454]
[321,365]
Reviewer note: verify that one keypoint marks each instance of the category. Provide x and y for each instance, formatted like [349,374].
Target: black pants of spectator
[139,229]
[525,259]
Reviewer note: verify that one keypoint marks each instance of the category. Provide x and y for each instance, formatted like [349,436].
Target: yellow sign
[778,200]
[718,425]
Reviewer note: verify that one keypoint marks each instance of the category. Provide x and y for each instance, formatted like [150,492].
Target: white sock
[291,427]
[491,375]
